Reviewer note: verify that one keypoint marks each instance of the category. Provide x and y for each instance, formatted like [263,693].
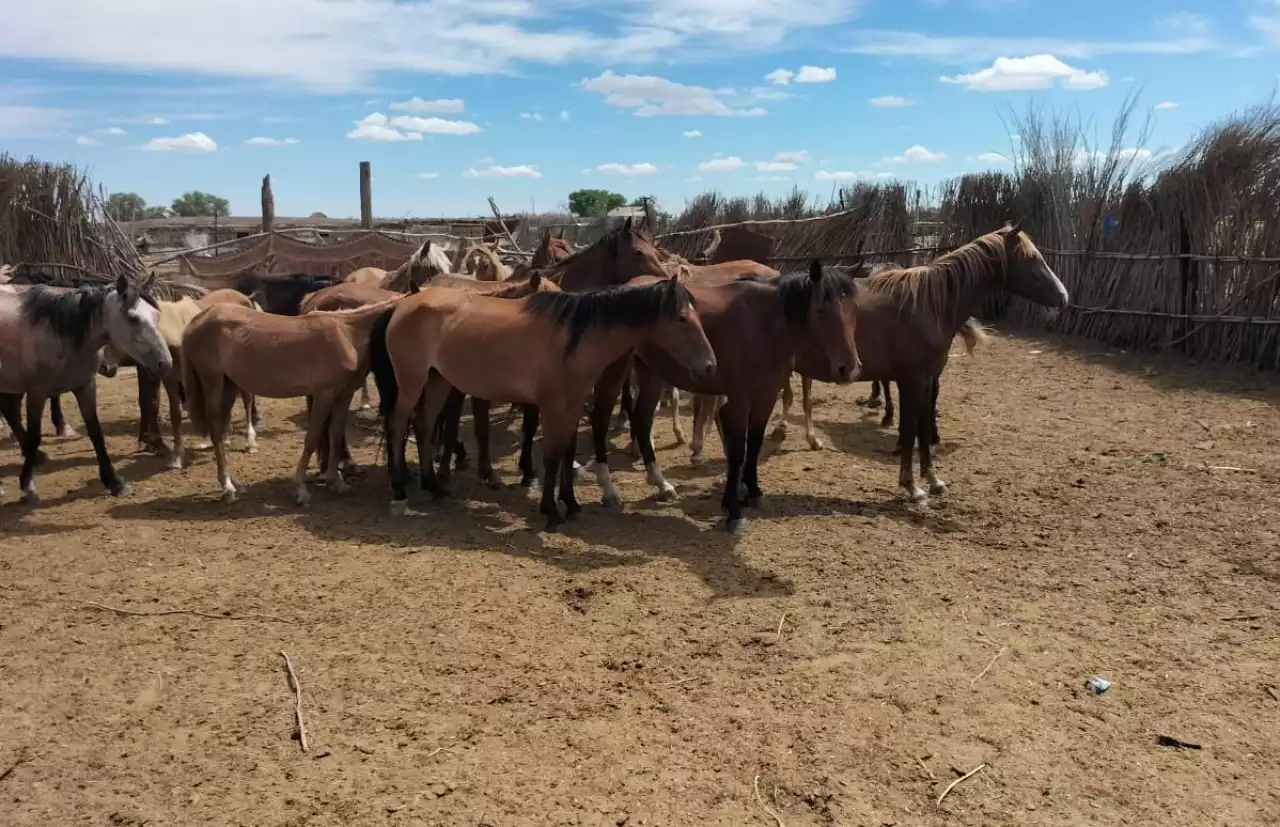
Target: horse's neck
[964,293]
[582,272]
[602,346]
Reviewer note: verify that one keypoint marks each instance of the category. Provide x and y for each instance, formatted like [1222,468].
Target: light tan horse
[228,349]
[482,260]
[548,350]
[426,261]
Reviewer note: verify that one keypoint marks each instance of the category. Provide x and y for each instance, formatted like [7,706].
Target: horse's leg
[911,396]
[873,401]
[60,426]
[642,431]
[806,403]
[934,438]
[887,421]
[924,429]
[337,427]
[528,430]
[256,416]
[30,447]
[612,383]
[435,396]
[250,430]
[149,410]
[175,419]
[676,427]
[11,410]
[553,464]
[481,410]
[788,397]
[567,496]
[757,423]
[364,394]
[396,428]
[87,398]
[445,432]
[219,400]
[733,424]
[321,411]
[628,404]
[704,407]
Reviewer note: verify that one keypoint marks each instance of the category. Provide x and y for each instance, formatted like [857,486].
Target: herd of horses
[570,332]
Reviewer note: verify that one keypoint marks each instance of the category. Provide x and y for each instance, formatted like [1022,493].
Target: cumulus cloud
[1022,74]
[891,102]
[775,166]
[912,155]
[627,169]
[692,133]
[378,127]
[113,131]
[418,106]
[805,74]
[191,142]
[796,156]
[260,141]
[434,126]
[531,116]
[650,95]
[730,164]
[522,171]
[993,158]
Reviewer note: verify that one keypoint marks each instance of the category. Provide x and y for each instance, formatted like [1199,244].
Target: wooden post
[1189,271]
[493,205]
[268,205]
[366,196]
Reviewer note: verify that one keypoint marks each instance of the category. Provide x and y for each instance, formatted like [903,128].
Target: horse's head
[679,332]
[132,322]
[1027,274]
[108,361]
[632,254]
[830,315]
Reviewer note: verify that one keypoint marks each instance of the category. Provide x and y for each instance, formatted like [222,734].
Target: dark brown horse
[756,325]
[907,319]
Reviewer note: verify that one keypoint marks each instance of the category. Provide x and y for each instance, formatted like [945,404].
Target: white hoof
[937,487]
[579,473]
[204,446]
[668,494]
[229,492]
[695,457]
[67,432]
[30,496]
[399,508]
[916,494]
[338,486]
[816,443]
[738,526]
[251,448]
[302,496]
[175,462]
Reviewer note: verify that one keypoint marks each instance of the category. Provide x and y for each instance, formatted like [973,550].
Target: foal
[546,350]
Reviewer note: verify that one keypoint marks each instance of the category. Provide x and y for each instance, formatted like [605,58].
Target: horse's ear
[122,285]
[535,279]
[815,269]
[626,225]
[562,232]
[413,287]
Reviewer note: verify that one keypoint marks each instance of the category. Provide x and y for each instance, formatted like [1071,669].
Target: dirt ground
[1110,515]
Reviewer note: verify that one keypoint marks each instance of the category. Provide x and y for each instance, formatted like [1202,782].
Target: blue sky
[456,100]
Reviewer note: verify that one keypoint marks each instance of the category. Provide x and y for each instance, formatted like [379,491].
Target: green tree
[126,206]
[155,212]
[196,203]
[594,203]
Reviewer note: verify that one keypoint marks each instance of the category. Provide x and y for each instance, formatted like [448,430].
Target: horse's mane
[174,318]
[429,258]
[930,288]
[796,290]
[556,270]
[614,306]
[347,311]
[70,315]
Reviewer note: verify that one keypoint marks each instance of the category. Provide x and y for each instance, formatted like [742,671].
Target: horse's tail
[194,391]
[974,334]
[384,374]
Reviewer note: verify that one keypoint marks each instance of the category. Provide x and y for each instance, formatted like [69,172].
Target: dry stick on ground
[1271,690]
[759,798]
[297,699]
[22,757]
[970,774]
[163,612]
[781,621]
[1241,617]
[925,767]
[990,664]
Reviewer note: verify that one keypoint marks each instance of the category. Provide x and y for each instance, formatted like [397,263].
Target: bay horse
[51,342]
[756,325]
[547,349]
[428,260]
[907,319]
[229,349]
[174,318]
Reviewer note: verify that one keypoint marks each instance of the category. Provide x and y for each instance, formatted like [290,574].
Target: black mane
[282,293]
[631,305]
[68,315]
[796,290]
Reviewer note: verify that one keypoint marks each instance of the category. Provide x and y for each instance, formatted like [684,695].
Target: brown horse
[546,350]
[324,356]
[756,326]
[482,261]
[907,319]
[427,261]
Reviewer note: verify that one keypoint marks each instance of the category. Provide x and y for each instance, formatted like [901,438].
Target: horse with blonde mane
[427,261]
[482,260]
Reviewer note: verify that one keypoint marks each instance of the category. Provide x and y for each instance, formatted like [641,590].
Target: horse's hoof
[366,406]
[611,501]
[399,508]
[175,463]
[302,497]
[886,422]
[680,438]
[758,501]
[553,526]
[816,444]
[938,488]
[120,488]
[736,527]
[67,432]
[695,458]
[493,484]
[251,449]
[779,433]
[916,494]
[579,473]
[29,495]
[339,486]
[668,495]
[229,496]
[528,482]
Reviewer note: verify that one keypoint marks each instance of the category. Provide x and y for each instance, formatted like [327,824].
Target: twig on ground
[163,612]
[925,767]
[680,682]
[781,621]
[970,774]
[1231,468]
[297,699]
[1271,690]
[19,761]
[1240,617]
[990,664]
[759,798]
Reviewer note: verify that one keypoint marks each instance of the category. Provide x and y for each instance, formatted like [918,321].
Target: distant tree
[126,206]
[594,203]
[156,212]
[196,203]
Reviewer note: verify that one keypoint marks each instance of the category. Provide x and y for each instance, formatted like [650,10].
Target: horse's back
[224,295]
[368,276]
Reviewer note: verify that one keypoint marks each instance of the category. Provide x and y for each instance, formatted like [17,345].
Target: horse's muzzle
[706,370]
[846,375]
[161,367]
[109,371]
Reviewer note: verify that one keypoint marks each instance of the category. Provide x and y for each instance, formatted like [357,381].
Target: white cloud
[780,77]
[149,120]
[628,169]
[770,178]
[114,131]
[1020,74]
[961,50]
[1166,105]
[85,140]
[565,115]
[797,156]
[650,95]
[32,121]
[427,176]
[912,155]
[1126,155]
[191,142]
[805,74]
[692,133]
[522,171]
[433,126]
[891,102]
[376,127]
[260,141]
[992,158]
[730,164]
[531,116]
[417,105]
[775,166]
[845,175]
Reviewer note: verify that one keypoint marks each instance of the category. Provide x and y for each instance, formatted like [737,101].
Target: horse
[174,318]
[756,325]
[427,261]
[321,355]
[482,260]
[51,342]
[547,349]
[908,317]
[281,293]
